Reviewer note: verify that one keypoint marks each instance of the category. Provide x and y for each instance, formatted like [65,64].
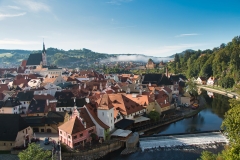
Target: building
[150,64]
[14,131]
[77,131]
[49,123]
[37,63]
[25,98]
[11,106]
[201,80]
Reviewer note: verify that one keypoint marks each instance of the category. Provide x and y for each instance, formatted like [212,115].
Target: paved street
[42,136]
[8,157]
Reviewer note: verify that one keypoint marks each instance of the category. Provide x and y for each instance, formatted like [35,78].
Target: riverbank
[227,93]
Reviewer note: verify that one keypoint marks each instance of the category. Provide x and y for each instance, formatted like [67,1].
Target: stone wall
[94,153]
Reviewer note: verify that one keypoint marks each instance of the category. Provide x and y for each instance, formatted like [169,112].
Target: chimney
[85,125]
[149,84]
[85,85]
[165,101]
[74,99]
[140,91]
[79,87]
[87,100]
[47,102]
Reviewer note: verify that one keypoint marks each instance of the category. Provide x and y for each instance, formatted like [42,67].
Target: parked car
[186,105]
[46,141]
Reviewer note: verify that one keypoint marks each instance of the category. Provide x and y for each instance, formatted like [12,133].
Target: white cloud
[3,15]
[16,42]
[118,2]
[34,6]
[138,58]
[188,34]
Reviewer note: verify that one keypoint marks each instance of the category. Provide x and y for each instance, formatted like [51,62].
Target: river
[207,120]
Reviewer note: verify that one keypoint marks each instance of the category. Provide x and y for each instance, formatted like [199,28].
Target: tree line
[221,62]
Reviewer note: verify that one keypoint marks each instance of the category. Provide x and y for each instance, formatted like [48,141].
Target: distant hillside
[182,53]
[73,58]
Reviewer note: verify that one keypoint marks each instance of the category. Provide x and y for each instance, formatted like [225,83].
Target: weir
[198,139]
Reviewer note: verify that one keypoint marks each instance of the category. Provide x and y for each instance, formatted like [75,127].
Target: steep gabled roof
[37,106]
[92,110]
[13,123]
[125,105]
[104,103]
[34,59]
[72,126]
[64,95]
[86,118]
[11,102]
[25,96]
[4,87]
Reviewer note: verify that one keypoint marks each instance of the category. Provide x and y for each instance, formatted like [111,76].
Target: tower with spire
[44,56]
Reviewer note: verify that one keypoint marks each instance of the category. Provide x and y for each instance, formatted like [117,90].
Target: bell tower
[44,55]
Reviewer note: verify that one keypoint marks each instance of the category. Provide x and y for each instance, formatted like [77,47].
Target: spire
[44,55]
[44,50]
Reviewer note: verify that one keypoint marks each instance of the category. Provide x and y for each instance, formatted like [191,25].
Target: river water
[207,120]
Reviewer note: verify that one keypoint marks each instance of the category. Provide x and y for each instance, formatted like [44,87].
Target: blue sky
[151,27]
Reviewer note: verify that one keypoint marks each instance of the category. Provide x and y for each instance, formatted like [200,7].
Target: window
[81,135]
[74,137]
[23,131]
[111,114]
[102,113]
[60,132]
[111,121]
[69,136]
[23,102]
[90,131]
[4,144]
[11,144]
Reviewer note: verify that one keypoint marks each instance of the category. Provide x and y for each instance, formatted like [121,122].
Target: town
[85,108]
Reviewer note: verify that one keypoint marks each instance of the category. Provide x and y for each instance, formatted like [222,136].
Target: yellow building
[150,64]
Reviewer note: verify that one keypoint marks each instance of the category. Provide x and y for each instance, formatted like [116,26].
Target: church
[37,63]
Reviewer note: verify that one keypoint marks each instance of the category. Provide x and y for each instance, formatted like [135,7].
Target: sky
[152,27]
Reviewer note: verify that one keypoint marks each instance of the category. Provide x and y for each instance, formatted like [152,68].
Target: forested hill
[78,58]
[221,62]
[70,58]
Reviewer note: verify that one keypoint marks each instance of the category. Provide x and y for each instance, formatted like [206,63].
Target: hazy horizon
[153,28]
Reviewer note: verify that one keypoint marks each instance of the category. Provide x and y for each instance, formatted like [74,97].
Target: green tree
[34,152]
[191,87]
[231,127]
[206,155]
[231,123]
[154,115]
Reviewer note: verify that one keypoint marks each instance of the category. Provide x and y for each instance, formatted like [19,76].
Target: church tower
[44,56]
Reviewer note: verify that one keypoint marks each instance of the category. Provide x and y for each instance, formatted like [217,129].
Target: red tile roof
[86,118]
[92,110]
[72,126]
